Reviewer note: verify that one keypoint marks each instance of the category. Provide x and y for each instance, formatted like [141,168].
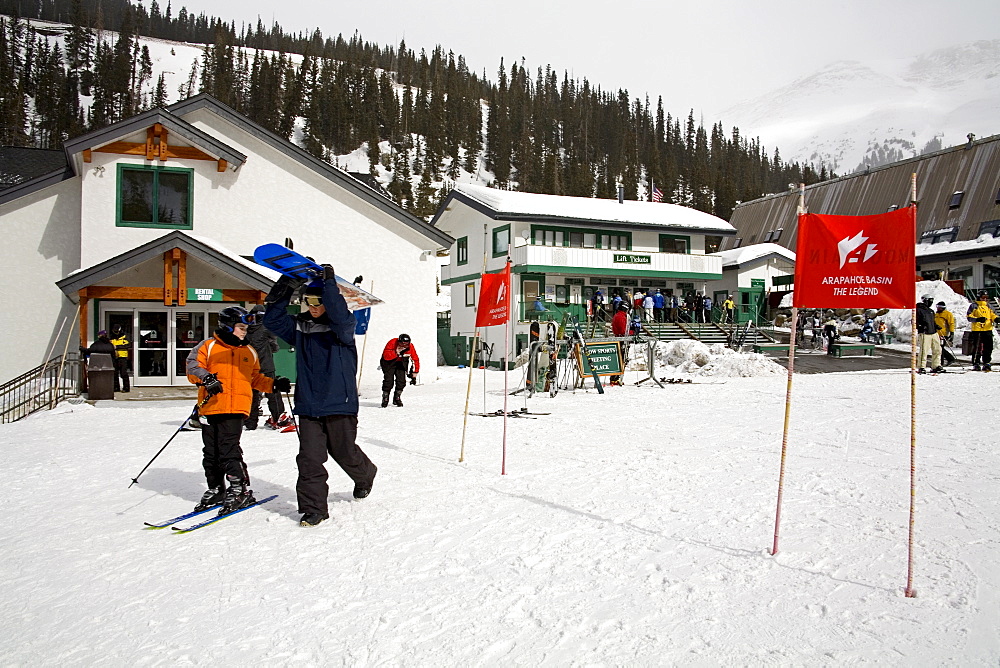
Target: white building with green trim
[566,248]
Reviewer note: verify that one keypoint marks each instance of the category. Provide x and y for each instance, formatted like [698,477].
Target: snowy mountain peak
[852,114]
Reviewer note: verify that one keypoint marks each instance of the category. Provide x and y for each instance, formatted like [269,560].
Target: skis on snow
[212,520]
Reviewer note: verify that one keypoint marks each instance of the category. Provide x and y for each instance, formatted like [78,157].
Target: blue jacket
[658,300]
[326,359]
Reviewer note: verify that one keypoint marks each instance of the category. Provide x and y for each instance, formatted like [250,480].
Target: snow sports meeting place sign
[856,261]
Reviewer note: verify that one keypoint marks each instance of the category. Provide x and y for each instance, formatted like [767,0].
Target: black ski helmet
[257,313]
[232,316]
[404,338]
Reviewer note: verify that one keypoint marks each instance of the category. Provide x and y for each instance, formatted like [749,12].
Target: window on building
[501,240]
[576,239]
[892,207]
[956,199]
[712,244]
[462,251]
[777,234]
[737,242]
[944,235]
[997,199]
[470,294]
[671,243]
[154,197]
[990,227]
[589,240]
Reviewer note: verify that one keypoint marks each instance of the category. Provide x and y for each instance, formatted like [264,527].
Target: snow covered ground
[631,528]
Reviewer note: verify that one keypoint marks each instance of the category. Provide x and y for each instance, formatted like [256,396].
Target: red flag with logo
[494,299]
[856,261]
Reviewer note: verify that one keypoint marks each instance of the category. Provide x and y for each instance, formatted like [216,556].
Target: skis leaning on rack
[212,520]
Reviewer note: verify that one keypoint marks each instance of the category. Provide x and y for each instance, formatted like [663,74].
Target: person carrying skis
[945,323]
[226,370]
[266,344]
[981,318]
[326,393]
[395,365]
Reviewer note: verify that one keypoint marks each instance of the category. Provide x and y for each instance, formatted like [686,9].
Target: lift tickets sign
[856,261]
[604,358]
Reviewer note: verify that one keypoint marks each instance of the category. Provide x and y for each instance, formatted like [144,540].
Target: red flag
[494,299]
[856,261]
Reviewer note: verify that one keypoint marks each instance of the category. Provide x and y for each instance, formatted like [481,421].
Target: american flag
[657,194]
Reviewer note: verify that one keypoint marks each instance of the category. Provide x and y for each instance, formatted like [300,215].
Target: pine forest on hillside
[534,132]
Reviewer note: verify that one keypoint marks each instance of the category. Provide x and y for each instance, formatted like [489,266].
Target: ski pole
[291,410]
[186,420]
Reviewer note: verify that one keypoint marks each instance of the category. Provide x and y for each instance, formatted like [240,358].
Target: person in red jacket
[395,365]
[619,327]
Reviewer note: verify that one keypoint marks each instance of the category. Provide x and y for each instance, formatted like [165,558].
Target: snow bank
[694,358]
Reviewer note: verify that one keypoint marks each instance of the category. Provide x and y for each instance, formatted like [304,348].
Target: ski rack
[650,363]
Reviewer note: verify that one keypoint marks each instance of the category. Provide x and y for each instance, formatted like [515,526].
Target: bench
[766,347]
[867,348]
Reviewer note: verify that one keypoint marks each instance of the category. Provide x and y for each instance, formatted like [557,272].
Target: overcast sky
[705,54]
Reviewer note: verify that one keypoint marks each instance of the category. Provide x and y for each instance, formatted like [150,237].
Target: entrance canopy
[173,270]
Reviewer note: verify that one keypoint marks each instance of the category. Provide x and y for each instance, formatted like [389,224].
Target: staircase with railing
[41,388]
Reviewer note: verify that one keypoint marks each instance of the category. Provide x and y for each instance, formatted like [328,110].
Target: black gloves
[413,379]
[328,272]
[212,385]
[282,384]
[284,288]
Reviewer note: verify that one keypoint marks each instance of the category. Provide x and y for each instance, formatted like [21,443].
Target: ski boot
[937,369]
[312,519]
[976,367]
[239,495]
[362,491]
[385,399]
[987,367]
[212,497]
[397,400]
[921,370]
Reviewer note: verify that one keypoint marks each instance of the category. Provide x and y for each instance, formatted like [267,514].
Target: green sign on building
[204,295]
[629,258]
[604,358]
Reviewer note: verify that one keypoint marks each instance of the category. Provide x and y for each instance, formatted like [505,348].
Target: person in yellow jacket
[729,308]
[945,323]
[119,339]
[981,318]
[227,371]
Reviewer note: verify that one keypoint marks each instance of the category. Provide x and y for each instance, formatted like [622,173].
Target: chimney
[971,137]
[621,194]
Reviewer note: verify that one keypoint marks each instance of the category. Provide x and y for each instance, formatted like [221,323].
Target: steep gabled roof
[303,157]
[509,205]
[175,126]
[738,257]
[206,250]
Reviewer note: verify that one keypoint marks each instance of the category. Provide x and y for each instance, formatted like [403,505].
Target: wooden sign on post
[602,358]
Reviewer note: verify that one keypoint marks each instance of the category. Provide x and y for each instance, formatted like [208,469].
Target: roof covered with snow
[738,257]
[984,243]
[505,204]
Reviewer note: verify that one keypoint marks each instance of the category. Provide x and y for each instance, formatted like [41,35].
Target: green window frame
[470,294]
[578,237]
[462,251]
[668,243]
[501,240]
[154,196]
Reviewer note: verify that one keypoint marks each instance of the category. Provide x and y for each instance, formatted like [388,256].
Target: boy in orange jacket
[227,371]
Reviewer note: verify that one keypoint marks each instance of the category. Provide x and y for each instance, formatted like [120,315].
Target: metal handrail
[42,388]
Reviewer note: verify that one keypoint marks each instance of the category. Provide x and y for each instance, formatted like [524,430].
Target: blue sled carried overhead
[288,262]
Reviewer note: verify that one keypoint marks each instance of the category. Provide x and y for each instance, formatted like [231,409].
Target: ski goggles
[312,300]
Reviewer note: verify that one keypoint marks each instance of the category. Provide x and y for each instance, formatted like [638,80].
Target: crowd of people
[655,306]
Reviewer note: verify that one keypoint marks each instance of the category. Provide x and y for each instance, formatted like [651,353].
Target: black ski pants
[275,406]
[121,371]
[333,435]
[982,347]
[221,452]
[394,373]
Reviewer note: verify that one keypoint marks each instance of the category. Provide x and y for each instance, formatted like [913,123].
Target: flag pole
[788,392]
[506,368]
[472,357]
[910,591]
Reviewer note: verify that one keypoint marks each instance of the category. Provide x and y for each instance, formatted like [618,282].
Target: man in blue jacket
[326,394]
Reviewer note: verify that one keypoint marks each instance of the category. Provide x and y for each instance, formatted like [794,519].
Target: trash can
[101,377]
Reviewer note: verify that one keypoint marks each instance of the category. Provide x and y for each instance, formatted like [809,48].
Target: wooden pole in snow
[788,393]
[910,591]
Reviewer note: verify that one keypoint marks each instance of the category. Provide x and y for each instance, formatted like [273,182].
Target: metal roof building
[958,194]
